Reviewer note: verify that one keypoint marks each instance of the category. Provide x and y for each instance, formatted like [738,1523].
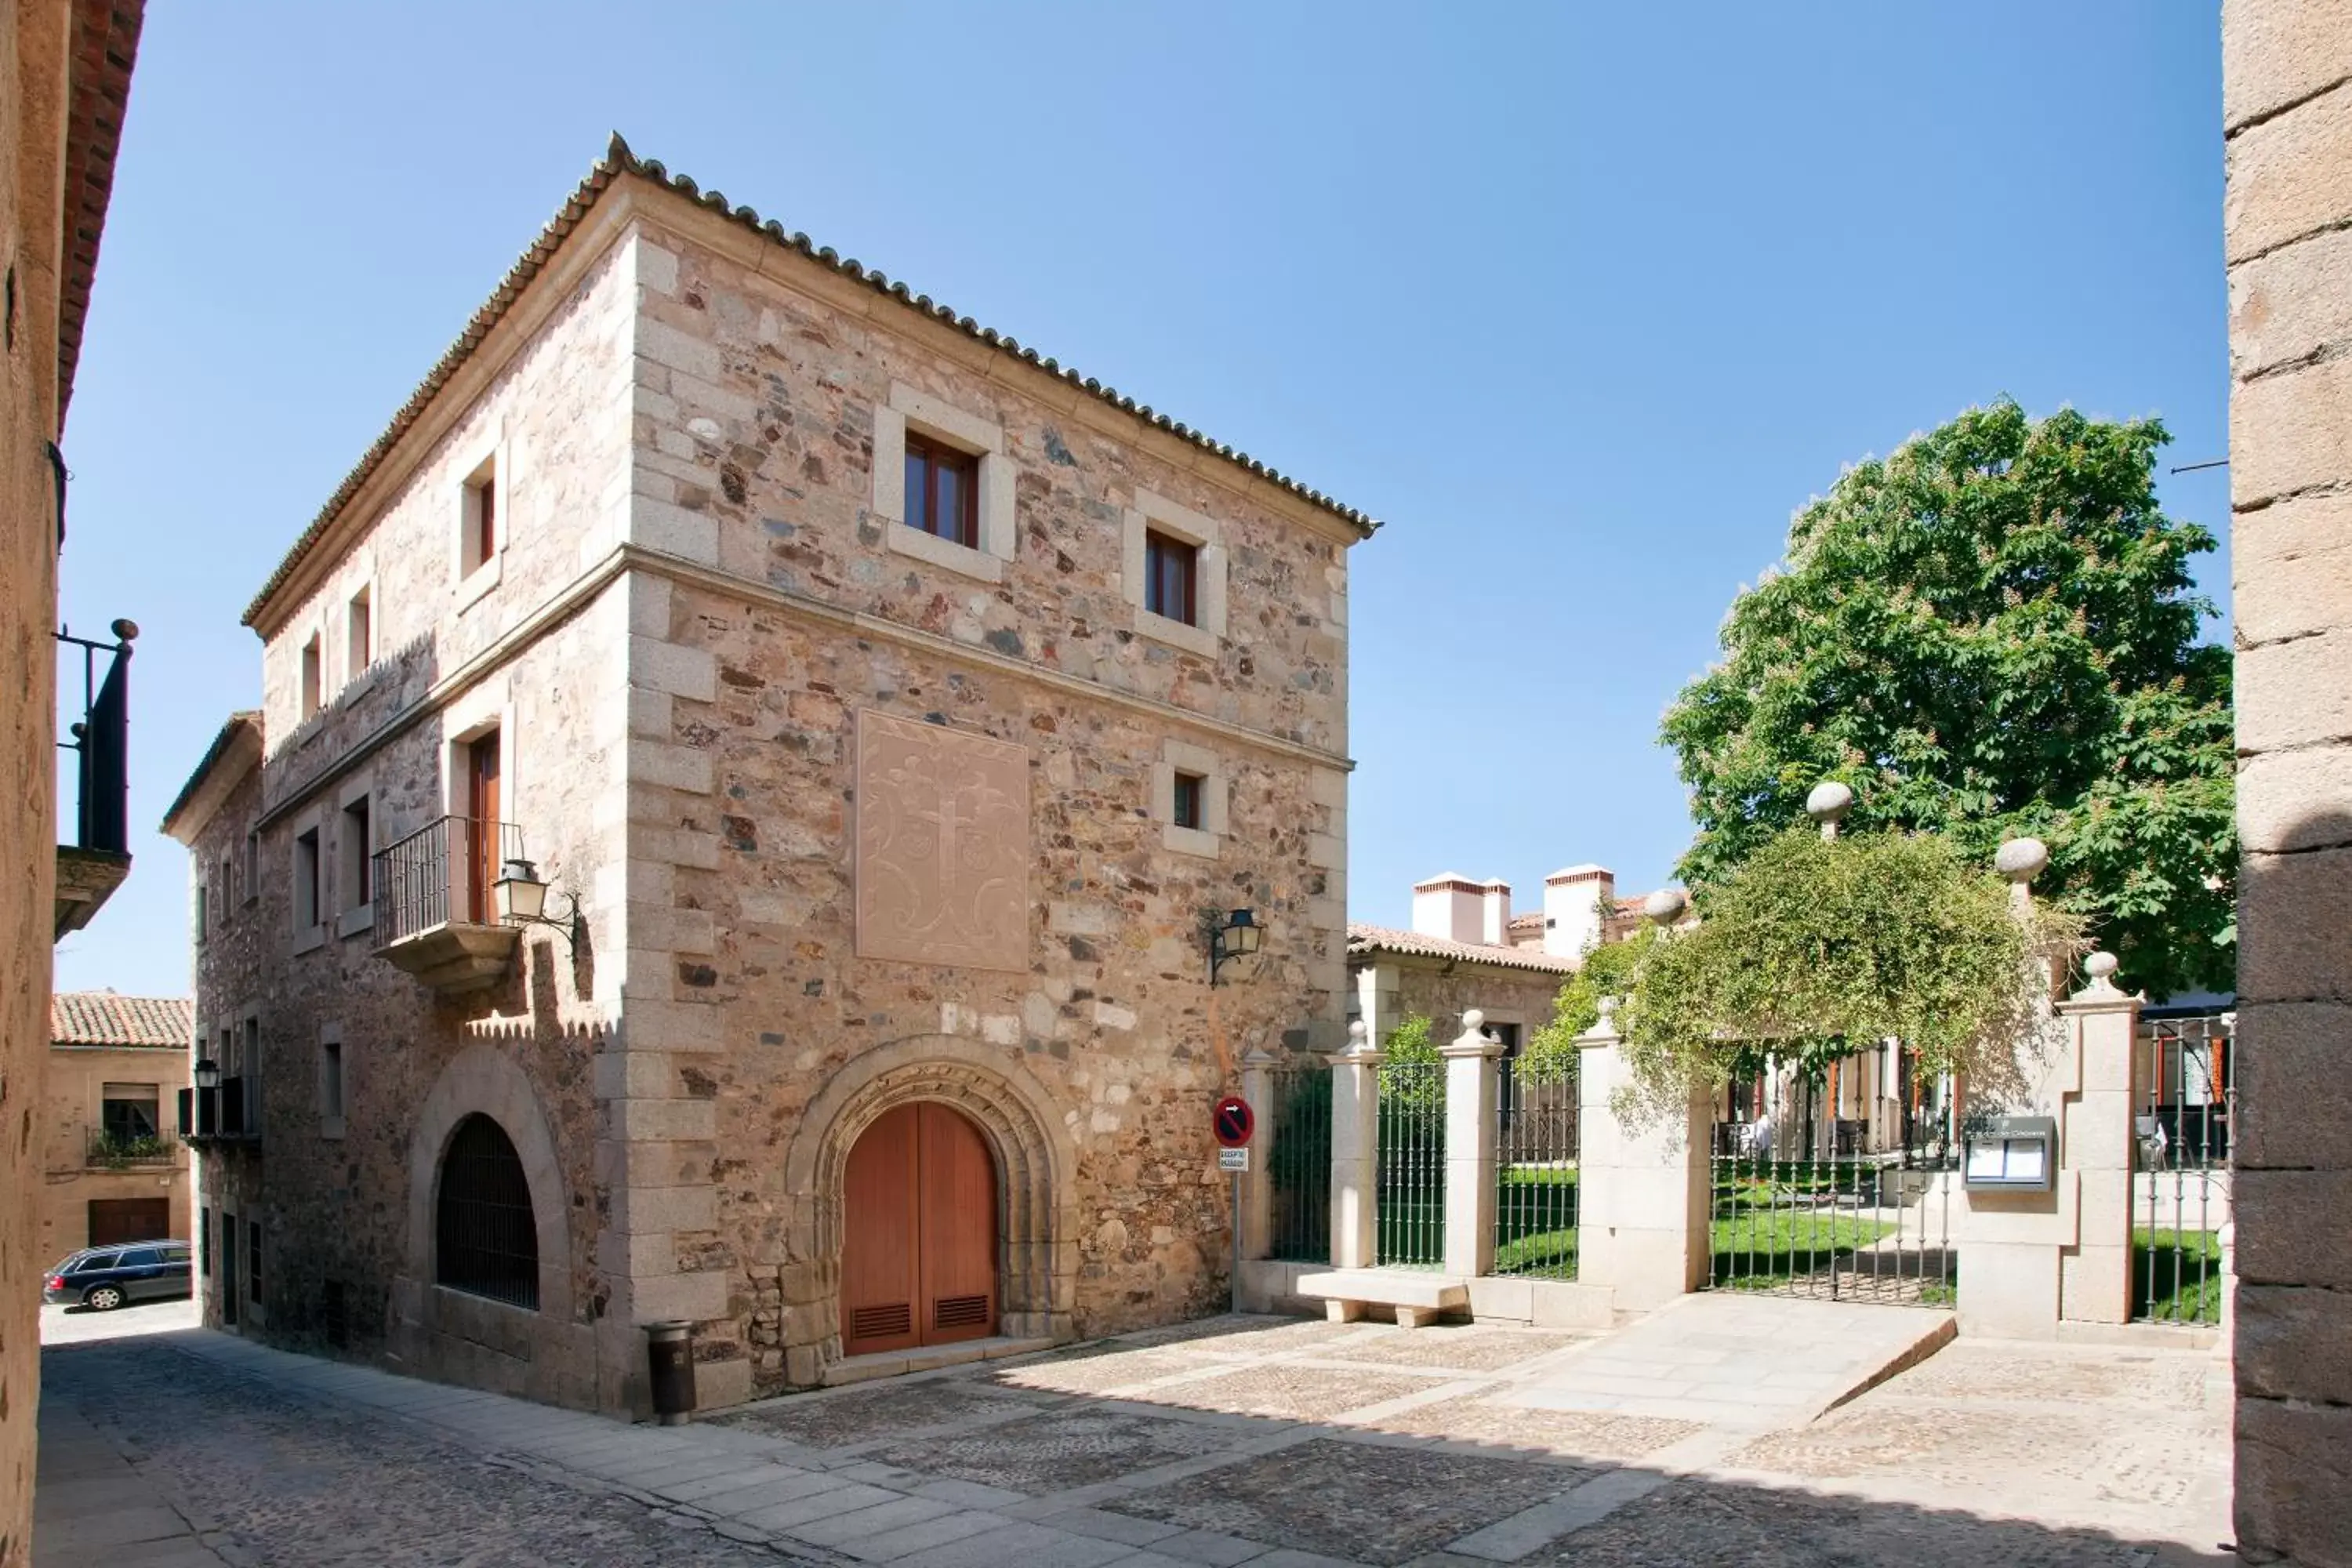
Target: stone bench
[1417,1296]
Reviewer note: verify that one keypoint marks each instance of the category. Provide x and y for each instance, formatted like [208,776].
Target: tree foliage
[1815,948]
[1608,970]
[1991,633]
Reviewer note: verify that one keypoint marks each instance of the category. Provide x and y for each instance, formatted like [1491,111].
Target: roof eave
[235,751]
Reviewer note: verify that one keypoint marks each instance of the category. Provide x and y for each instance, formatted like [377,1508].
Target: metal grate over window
[489,1242]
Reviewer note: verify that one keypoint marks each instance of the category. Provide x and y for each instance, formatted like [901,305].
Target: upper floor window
[128,1112]
[479,543]
[306,880]
[1172,577]
[204,909]
[942,491]
[352,874]
[1184,806]
[312,677]
[252,865]
[359,633]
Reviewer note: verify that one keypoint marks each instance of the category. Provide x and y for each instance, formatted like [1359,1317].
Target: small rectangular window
[331,1080]
[1186,804]
[312,677]
[204,911]
[252,866]
[359,634]
[353,876]
[481,521]
[943,491]
[1170,578]
[306,880]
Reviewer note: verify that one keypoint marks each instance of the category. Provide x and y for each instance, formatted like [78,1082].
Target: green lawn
[2177,1275]
[1535,1221]
[1761,1248]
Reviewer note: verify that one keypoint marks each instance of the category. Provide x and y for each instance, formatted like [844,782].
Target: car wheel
[102,1297]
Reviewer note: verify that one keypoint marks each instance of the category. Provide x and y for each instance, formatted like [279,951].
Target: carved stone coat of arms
[942,869]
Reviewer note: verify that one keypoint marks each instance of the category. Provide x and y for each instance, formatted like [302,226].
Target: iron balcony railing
[101,742]
[441,873]
[230,1109]
[115,1151]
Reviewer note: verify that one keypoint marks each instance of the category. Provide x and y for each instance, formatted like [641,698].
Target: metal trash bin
[670,1356]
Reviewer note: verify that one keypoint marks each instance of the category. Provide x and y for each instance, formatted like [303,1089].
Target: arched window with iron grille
[488,1240]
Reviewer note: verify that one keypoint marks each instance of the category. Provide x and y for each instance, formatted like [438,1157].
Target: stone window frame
[333,1113]
[311,822]
[1155,513]
[939,422]
[354,918]
[470,577]
[1216,792]
[312,697]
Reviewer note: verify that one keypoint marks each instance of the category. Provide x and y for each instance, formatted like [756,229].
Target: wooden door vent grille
[882,1322]
[958,1311]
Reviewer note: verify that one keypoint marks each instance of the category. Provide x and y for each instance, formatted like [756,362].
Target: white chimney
[1576,901]
[1495,928]
[1450,907]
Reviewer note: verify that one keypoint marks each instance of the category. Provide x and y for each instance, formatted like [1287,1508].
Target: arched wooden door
[919,1233]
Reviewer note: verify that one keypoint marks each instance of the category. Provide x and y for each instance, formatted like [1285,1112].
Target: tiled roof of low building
[1364,938]
[619,160]
[104,1018]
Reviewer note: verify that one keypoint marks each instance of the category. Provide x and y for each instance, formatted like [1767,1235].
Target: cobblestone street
[1278,1443]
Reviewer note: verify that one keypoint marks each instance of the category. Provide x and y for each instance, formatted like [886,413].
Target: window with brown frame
[1185,803]
[942,491]
[1172,573]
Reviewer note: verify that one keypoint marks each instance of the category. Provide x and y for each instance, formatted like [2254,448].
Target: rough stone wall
[1403,986]
[74,1093]
[2287,106]
[755,444]
[33,56]
[335,1203]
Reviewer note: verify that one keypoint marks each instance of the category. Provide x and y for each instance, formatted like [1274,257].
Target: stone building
[2286,91]
[65,75]
[884,711]
[1457,956]
[115,1169]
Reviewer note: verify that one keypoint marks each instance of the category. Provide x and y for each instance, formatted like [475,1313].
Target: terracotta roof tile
[104,1018]
[619,160]
[1371,938]
[213,754]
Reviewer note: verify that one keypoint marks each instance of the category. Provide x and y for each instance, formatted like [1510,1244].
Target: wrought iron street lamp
[522,898]
[1235,934]
[207,1073]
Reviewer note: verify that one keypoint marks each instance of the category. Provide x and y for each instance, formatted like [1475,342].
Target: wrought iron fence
[2180,1183]
[1810,1199]
[1410,1188]
[1535,1170]
[442,872]
[1298,1165]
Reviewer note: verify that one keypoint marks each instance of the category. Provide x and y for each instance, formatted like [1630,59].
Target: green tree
[1608,970]
[1814,949]
[1991,632]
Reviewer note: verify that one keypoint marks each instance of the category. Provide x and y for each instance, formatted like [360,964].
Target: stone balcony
[433,905]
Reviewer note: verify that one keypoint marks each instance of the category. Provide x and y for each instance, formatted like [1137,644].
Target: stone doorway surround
[1036,1162]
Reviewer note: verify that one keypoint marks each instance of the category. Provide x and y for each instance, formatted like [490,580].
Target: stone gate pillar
[1355,1148]
[2095,1142]
[1470,1137]
[1643,1191]
[1257,1183]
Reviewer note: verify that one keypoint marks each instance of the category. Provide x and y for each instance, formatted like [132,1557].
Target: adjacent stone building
[2287,234]
[886,715]
[65,76]
[116,1170]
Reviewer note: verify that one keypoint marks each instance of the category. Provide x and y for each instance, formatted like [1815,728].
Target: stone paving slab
[1737,1360]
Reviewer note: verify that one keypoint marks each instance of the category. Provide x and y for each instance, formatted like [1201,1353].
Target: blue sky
[1583,301]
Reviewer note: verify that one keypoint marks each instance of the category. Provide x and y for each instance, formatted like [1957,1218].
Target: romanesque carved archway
[1035,1161]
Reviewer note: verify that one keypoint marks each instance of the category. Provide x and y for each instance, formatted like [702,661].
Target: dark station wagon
[104,1278]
